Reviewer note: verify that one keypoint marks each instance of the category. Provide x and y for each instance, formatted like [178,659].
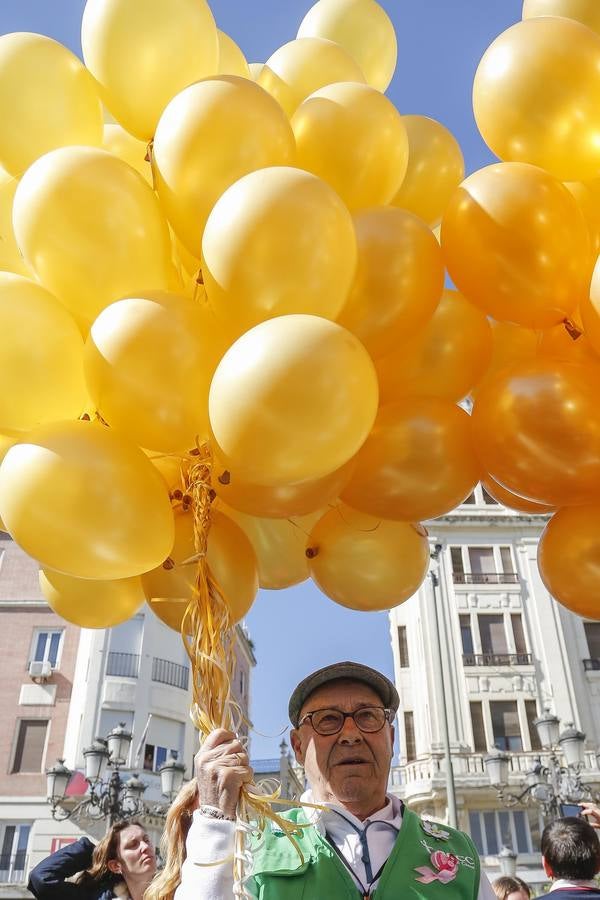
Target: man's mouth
[353,761]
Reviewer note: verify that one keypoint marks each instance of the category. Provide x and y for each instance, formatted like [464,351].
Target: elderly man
[363,843]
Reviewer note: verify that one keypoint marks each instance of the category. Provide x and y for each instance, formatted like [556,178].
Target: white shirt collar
[336,816]
[567,883]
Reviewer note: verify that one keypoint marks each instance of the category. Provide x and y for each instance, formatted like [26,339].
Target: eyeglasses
[330,721]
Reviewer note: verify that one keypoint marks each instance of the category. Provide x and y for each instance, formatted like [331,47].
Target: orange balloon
[587,195]
[278,501]
[537,430]
[443,360]
[365,563]
[230,558]
[513,501]
[570,345]
[418,462]
[399,279]
[585,11]
[510,344]
[569,559]
[435,169]
[516,244]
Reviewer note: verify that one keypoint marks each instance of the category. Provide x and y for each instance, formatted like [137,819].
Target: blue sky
[440,44]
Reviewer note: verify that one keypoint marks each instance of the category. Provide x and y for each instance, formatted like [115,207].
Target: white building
[137,673]
[508,653]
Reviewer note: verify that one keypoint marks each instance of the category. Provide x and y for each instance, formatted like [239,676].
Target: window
[466,635]
[457,560]
[493,829]
[410,750]
[487,498]
[506,559]
[403,647]
[493,635]
[505,725]
[592,633]
[13,853]
[470,499]
[155,756]
[482,560]
[46,646]
[165,739]
[518,633]
[479,739]
[531,713]
[29,749]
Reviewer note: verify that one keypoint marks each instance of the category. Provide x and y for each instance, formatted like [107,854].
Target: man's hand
[592,813]
[222,767]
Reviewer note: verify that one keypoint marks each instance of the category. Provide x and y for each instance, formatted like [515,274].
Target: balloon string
[209,637]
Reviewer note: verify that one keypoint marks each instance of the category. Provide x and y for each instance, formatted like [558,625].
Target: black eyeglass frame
[388,717]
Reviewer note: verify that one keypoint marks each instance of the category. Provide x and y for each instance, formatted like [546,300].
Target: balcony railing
[12,867]
[485,578]
[124,665]
[171,673]
[497,659]
[591,665]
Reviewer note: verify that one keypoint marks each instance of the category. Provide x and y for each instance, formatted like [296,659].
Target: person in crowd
[121,865]
[571,858]
[511,888]
[360,842]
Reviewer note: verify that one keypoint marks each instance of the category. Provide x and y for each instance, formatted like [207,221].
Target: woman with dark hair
[122,865]
[511,888]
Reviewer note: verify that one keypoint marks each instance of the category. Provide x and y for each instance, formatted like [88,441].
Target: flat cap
[352,670]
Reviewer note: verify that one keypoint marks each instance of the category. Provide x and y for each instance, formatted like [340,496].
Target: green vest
[279,874]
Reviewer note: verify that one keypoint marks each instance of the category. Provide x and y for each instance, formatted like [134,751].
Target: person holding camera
[571,856]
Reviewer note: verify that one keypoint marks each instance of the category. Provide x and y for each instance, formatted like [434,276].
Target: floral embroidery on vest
[446,865]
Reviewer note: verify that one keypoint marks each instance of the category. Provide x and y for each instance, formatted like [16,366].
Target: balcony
[498,659]
[123,665]
[166,672]
[591,665]
[485,578]
[12,867]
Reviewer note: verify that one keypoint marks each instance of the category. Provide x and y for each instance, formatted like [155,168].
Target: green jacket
[420,867]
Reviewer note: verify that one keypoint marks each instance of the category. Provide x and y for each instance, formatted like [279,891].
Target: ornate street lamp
[507,860]
[496,764]
[111,799]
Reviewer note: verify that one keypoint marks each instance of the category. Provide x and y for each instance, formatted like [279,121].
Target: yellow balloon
[364,563]
[399,279]
[90,260]
[585,11]
[81,500]
[230,558]
[292,399]
[354,138]
[41,357]
[418,462]
[303,66]
[91,604]
[587,195]
[445,359]
[278,501]
[231,59]
[47,100]
[211,134]
[569,559]
[143,52]
[148,366]
[363,28]
[516,245]
[279,241]
[255,70]
[11,259]
[536,97]
[122,144]
[435,169]
[279,545]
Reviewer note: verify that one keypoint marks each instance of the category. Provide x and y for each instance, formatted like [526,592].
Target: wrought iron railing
[591,665]
[485,578]
[497,659]
[124,665]
[12,867]
[166,672]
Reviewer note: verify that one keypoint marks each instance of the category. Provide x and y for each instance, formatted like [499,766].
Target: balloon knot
[149,152]
[177,495]
[311,552]
[168,563]
[186,502]
[572,330]
[212,495]
[199,277]
[225,477]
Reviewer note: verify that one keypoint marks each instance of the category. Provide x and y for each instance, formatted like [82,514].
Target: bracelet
[213,812]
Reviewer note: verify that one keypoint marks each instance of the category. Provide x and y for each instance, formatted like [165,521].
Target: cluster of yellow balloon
[228,256]
[520,240]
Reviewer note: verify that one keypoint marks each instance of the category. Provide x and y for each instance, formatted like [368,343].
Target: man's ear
[114,866]
[547,868]
[297,746]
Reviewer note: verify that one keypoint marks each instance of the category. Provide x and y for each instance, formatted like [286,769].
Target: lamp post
[507,860]
[550,783]
[110,798]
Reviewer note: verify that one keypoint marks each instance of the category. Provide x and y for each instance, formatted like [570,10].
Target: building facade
[507,653]
[63,686]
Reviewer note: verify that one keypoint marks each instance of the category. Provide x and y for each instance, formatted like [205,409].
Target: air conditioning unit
[40,671]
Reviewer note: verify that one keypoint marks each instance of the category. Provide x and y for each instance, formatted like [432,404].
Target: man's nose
[350,733]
